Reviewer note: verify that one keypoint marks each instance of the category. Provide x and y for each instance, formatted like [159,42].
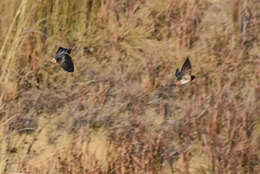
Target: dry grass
[119,112]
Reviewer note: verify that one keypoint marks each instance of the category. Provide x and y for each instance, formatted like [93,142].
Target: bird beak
[53,60]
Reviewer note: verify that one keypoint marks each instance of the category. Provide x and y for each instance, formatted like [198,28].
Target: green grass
[119,112]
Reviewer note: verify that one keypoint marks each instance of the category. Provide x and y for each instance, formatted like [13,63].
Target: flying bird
[184,76]
[63,58]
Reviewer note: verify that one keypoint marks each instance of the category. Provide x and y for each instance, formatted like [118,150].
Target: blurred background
[120,112]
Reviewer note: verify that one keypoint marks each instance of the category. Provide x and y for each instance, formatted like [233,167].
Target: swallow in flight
[63,58]
[184,76]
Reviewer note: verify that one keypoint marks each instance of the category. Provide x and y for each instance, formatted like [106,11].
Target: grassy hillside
[120,112]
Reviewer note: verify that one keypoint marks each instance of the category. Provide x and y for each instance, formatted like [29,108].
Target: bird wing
[186,67]
[68,50]
[178,74]
[60,49]
[66,63]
